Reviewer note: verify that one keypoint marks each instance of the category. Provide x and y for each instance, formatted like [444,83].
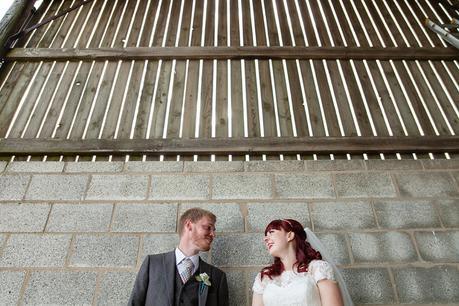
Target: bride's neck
[288,259]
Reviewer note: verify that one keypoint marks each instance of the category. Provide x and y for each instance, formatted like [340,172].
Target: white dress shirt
[179,256]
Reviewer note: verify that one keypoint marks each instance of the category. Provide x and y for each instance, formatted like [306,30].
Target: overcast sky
[4,5]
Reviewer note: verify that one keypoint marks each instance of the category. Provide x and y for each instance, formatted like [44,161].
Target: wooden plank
[64,126]
[287,145]
[406,31]
[372,101]
[234,53]
[312,98]
[118,17]
[30,98]
[439,91]
[54,26]
[414,98]
[46,99]
[66,86]
[297,99]
[11,94]
[78,26]
[399,97]
[386,101]
[430,101]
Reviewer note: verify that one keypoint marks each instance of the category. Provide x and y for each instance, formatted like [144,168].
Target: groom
[181,277]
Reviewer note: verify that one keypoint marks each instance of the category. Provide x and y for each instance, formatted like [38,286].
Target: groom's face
[203,233]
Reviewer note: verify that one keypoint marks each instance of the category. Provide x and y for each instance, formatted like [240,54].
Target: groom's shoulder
[215,270]
[159,256]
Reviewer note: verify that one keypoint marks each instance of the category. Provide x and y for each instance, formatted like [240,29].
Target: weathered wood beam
[284,145]
[223,53]
[12,21]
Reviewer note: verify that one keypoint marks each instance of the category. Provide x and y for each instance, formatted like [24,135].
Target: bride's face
[277,242]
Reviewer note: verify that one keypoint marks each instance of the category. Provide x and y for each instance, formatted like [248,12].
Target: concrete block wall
[76,233]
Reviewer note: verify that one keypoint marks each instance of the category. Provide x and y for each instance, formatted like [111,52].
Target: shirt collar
[179,256]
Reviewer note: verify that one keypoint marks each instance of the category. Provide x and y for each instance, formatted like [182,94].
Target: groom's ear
[188,225]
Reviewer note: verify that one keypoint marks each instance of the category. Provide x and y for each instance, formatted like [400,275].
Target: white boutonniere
[204,280]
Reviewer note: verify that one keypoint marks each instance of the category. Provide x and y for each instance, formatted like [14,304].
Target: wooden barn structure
[223,79]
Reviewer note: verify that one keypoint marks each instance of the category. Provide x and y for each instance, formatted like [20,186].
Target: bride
[298,276]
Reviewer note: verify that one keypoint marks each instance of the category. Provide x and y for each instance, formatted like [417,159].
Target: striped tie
[186,267]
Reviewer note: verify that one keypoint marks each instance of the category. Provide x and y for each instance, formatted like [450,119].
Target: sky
[4,5]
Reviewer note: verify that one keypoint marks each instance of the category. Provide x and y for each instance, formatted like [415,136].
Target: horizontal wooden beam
[223,146]
[224,53]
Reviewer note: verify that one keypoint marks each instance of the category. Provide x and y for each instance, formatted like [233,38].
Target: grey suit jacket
[154,285]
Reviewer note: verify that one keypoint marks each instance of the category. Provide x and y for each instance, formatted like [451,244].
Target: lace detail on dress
[320,270]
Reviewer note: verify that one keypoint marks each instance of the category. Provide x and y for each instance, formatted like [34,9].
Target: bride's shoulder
[259,284]
[321,269]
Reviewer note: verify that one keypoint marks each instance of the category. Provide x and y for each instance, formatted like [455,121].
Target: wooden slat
[235,53]
[287,145]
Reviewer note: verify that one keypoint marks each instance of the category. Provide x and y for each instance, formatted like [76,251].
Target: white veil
[318,246]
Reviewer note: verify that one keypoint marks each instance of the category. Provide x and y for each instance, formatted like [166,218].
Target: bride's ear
[290,236]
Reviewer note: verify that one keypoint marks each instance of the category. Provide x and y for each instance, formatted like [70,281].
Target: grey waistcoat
[186,294]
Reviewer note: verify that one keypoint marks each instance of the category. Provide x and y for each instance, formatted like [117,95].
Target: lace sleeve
[320,270]
[258,285]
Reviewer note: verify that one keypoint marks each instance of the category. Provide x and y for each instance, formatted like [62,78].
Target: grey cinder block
[97,167]
[335,245]
[242,186]
[427,285]
[382,247]
[13,187]
[342,215]
[116,288]
[23,217]
[104,251]
[334,165]
[406,214]
[10,287]
[154,166]
[117,187]
[217,166]
[35,166]
[31,250]
[80,218]
[161,243]
[60,288]
[144,218]
[440,163]
[179,187]
[438,246]
[364,185]
[449,212]
[229,215]
[237,250]
[260,214]
[426,184]
[57,187]
[237,287]
[304,186]
[3,166]
[393,164]
[369,285]
[274,166]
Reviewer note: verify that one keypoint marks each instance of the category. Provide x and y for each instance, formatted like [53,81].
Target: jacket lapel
[169,274]
[202,296]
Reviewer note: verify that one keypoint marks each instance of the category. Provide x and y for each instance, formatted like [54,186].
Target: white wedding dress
[293,288]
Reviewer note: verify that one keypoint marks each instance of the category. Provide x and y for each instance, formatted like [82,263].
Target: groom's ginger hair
[194,215]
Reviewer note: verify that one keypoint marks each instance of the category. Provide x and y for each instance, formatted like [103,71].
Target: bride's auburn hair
[304,252]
